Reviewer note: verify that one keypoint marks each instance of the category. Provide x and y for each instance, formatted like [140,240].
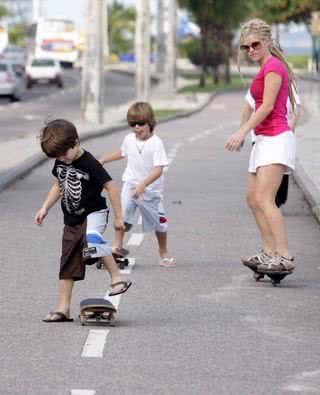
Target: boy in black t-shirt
[79,182]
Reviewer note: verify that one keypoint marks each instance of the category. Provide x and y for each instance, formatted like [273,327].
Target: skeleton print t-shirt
[81,184]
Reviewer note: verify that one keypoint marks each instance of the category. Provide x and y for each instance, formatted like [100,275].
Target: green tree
[284,11]
[3,11]
[121,26]
[18,34]
[217,19]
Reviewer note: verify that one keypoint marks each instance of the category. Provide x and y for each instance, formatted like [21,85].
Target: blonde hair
[260,28]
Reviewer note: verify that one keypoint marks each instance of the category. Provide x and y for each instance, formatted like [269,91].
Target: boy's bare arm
[117,155]
[153,176]
[114,197]
[51,199]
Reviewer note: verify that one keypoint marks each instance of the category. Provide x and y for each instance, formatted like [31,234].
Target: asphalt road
[44,101]
[205,327]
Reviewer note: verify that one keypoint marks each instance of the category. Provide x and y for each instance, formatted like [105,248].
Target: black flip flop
[62,317]
[126,286]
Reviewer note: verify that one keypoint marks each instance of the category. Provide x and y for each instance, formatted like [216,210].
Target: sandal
[277,264]
[61,317]
[168,262]
[125,286]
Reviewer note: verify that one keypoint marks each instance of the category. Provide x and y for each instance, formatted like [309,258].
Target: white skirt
[268,150]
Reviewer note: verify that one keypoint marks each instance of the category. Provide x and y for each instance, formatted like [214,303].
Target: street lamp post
[142,50]
[92,84]
[160,39]
[170,73]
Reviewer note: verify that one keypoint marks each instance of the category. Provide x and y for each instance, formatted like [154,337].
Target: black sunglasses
[256,45]
[132,124]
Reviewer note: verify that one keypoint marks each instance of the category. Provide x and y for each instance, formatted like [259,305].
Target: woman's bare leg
[268,241]
[267,183]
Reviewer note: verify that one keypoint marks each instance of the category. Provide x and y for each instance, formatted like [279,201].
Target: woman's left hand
[236,141]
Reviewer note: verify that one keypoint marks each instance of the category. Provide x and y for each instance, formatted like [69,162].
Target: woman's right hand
[236,141]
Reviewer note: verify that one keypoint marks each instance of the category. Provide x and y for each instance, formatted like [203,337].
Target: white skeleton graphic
[70,187]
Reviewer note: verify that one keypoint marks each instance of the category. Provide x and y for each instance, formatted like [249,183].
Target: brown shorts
[72,264]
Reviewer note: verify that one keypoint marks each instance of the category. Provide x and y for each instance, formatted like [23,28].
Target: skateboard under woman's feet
[275,277]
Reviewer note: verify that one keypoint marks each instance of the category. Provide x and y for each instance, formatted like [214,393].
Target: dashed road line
[95,343]
[132,262]
[83,392]
[135,239]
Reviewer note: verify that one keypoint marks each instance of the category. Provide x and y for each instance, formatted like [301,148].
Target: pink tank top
[276,122]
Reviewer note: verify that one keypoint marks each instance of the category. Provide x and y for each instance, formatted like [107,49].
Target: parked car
[11,81]
[43,70]
[14,54]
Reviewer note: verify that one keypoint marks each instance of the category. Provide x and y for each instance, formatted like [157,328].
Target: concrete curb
[23,169]
[309,189]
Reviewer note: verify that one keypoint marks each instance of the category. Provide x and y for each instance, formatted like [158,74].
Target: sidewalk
[18,157]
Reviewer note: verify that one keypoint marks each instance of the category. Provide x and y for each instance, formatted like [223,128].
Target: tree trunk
[215,75]
[227,55]
[142,50]
[204,45]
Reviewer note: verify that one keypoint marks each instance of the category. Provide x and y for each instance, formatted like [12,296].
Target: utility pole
[37,10]
[142,50]
[170,74]
[92,84]
[161,38]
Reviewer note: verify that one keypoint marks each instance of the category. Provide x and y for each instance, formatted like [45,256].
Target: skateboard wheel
[258,276]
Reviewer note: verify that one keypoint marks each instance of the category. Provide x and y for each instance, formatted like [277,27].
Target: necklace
[140,147]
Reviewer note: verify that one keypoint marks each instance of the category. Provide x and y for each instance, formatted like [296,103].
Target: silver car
[11,81]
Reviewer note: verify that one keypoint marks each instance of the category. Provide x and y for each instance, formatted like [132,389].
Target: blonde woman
[273,154]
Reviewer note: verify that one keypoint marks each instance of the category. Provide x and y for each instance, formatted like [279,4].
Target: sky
[73,9]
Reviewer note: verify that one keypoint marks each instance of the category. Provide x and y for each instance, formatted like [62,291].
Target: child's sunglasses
[132,124]
[256,45]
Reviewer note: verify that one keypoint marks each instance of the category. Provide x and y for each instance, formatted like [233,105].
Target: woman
[274,151]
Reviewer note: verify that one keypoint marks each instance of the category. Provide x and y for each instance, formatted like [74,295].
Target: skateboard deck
[97,311]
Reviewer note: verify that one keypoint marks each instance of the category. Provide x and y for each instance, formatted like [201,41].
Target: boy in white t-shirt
[143,179]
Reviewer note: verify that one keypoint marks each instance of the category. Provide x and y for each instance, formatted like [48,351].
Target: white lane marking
[115,300]
[139,220]
[205,133]
[216,106]
[31,117]
[132,262]
[83,392]
[135,239]
[95,343]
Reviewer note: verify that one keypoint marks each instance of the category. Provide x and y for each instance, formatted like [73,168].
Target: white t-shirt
[142,156]
[251,103]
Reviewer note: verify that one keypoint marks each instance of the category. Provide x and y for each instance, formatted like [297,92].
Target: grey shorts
[150,206]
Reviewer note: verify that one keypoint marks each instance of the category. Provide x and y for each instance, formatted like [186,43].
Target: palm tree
[121,26]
